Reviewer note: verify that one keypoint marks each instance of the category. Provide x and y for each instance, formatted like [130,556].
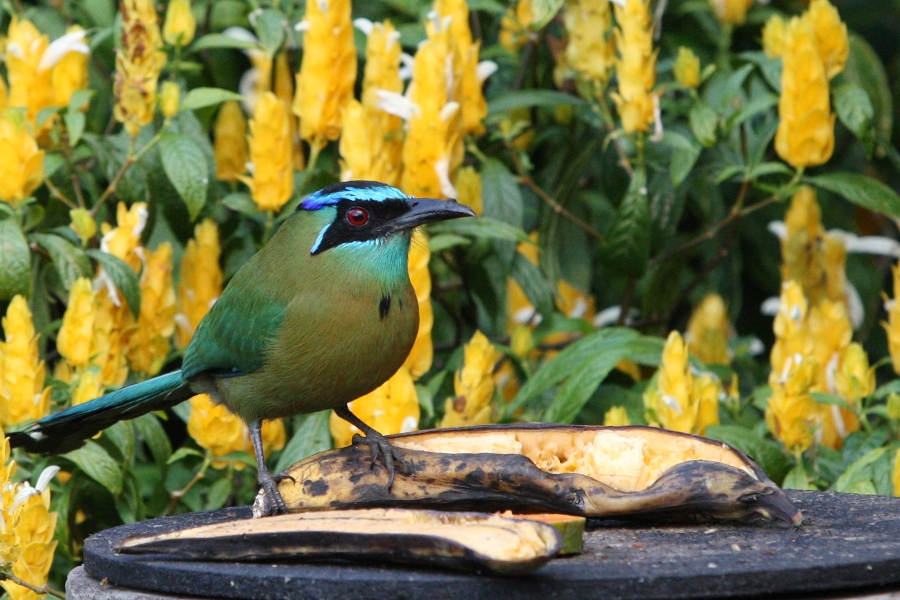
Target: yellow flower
[230,144]
[636,66]
[791,410]
[22,393]
[433,149]
[830,36]
[21,163]
[419,360]
[792,336]
[468,189]
[74,339]
[169,98]
[708,331]
[687,68]
[892,326]
[272,174]
[372,140]
[83,224]
[830,331]
[773,35]
[139,62]
[70,74]
[591,49]
[473,385]
[283,86]
[805,136]
[855,379]
[731,12]
[616,417]
[515,26]
[216,429]
[706,390]
[148,345]
[123,240]
[87,387]
[112,324]
[180,24]
[391,408]
[668,403]
[200,280]
[327,72]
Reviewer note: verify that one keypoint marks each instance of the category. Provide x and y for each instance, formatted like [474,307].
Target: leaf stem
[43,589]
[177,495]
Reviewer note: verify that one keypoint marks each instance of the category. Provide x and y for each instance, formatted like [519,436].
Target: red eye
[357,216]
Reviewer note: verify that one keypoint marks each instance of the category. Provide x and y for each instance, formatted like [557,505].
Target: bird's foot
[274,504]
[379,445]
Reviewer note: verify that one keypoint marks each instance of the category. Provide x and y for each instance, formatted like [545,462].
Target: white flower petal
[241,33]
[442,168]
[409,424]
[672,403]
[16,50]
[448,110]
[485,69]
[778,228]
[857,312]
[770,306]
[756,347]
[58,48]
[396,104]
[657,121]
[364,25]
[302,26]
[247,88]
[406,65]
[868,244]
[46,476]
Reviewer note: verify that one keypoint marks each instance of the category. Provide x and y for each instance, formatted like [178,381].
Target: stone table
[849,546]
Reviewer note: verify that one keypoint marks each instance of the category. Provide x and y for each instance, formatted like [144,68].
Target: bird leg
[378,444]
[275,503]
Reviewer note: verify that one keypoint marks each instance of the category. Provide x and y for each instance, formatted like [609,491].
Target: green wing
[232,338]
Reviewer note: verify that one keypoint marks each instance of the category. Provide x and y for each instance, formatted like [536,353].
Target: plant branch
[177,495]
[526,180]
[56,193]
[129,160]
[42,589]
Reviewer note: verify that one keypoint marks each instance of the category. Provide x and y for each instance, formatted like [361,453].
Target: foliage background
[551,163]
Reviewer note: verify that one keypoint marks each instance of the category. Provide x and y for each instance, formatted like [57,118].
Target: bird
[324,313]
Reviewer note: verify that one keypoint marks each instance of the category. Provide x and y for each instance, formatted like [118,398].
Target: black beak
[427,210]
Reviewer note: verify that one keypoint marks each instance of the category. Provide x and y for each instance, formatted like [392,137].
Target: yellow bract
[591,49]
[216,429]
[680,400]
[139,62]
[74,338]
[419,360]
[391,408]
[790,410]
[616,417]
[708,331]
[830,36]
[271,180]
[468,189]
[83,224]
[773,35]
[731,12]
[200,280]
[687,68]
[473,385]
[805,136]
[169,98]
[21,163]
[230,143]
[327,72]
[148,344]
[22,393]
[180,24]
[515,26]
[635,66]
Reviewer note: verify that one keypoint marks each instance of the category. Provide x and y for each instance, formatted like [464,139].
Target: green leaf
[242,203]
[822,398]
[70,261]
[768,168]
[98,465]
[482,227]
[860,189]
[864,68]
[311,437]
[79,100]
[887,389]
[270,26]
[766,453]
[581,385]
[684,156]
[121,434]
[530,99]
[123,276]
[151,432]
[220,40]
[533,283]
[703,120]
[445,241]
[752,108]
[74,120]
[797,479]
[543,12]
[626,245]
[854,109]
[219,493]
[186,168]
[207,96]
[15,260]
[183,452]
[859,472]
[52,164]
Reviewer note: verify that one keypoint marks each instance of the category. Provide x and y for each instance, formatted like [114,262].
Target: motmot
[324,313]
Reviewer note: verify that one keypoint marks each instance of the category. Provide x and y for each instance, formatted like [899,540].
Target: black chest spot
[384,306]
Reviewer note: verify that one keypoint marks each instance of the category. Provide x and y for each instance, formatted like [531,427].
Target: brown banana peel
[591,471]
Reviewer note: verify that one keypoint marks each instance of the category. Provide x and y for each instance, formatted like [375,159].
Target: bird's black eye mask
[360,221]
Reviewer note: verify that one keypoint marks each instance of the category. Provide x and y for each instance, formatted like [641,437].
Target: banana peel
[461,541]
[590,471]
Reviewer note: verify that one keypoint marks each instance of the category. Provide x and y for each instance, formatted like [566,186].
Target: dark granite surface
[848,542]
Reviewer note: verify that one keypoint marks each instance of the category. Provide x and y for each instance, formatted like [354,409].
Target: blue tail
[67,429]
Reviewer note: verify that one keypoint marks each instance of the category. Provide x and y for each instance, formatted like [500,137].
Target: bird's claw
[378,444]
[275,503]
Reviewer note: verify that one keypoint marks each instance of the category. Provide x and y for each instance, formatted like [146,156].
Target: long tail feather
[68,429]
